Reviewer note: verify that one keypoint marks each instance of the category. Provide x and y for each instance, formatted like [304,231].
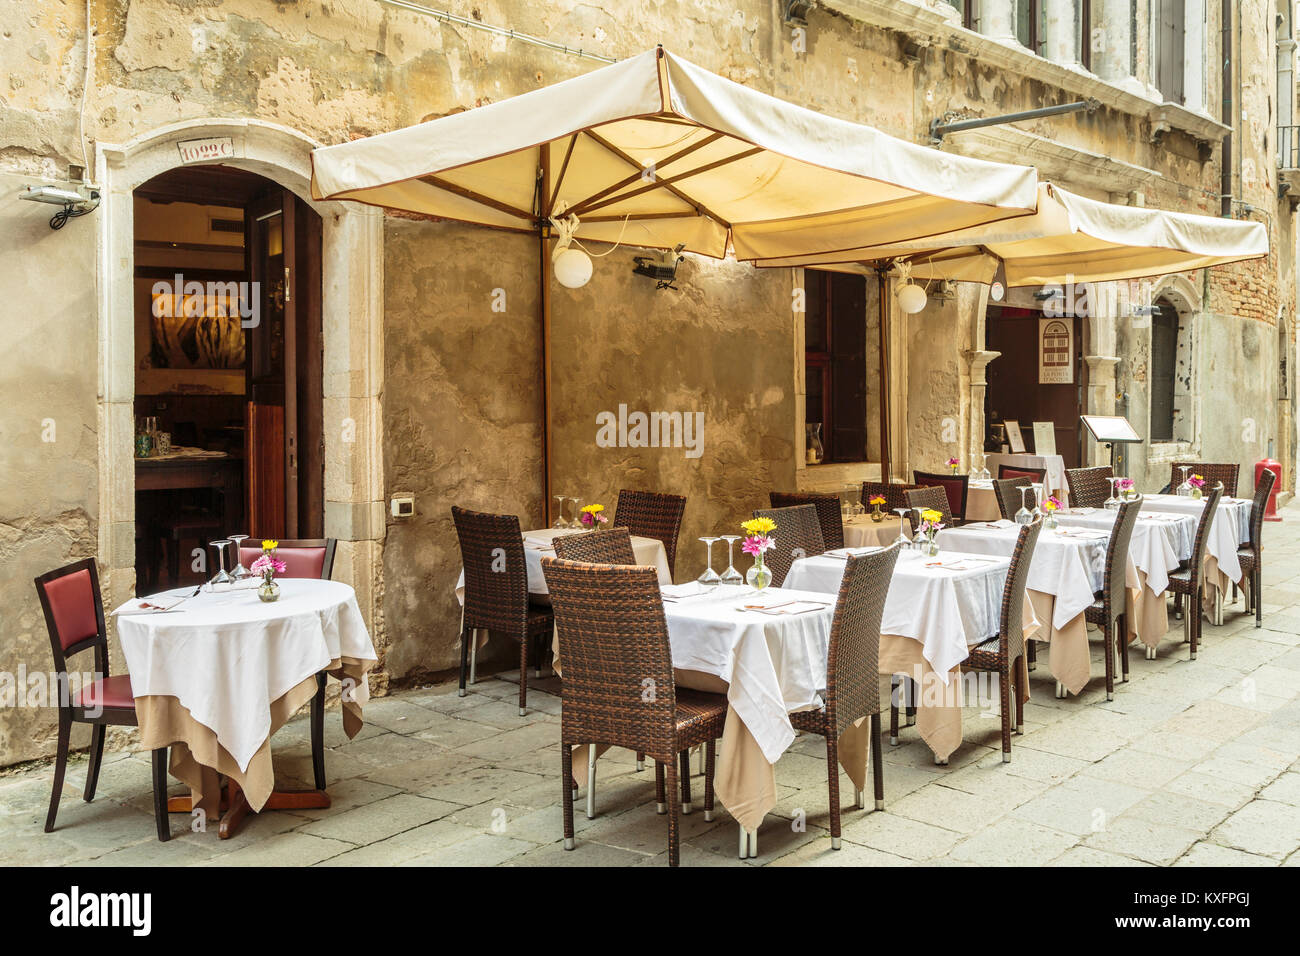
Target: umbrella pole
[544,313]
[883,303]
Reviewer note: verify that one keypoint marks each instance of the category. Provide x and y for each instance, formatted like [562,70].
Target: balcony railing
[1288,147]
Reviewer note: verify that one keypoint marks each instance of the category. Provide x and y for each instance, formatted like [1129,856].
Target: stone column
[978,361]
[1059,29]
[998,20]
[1112,60]
[1100,401]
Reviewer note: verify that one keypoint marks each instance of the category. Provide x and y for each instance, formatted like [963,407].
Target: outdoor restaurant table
[216,677]
[861,532]
[1230,528]
[768,665]
[937,608]
[538,545]
[981,501]
[1054,480]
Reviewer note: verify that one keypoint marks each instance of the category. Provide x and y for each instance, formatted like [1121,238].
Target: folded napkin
[153,605]
[850,552]
[991,525]
[786,607]
[1082,511]
[243,584]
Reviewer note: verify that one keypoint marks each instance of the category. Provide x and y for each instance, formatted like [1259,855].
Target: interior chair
[74,618]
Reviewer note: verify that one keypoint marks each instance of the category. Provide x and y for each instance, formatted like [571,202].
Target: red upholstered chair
[74,617]
[304,558]
[1033,474]
[954,486]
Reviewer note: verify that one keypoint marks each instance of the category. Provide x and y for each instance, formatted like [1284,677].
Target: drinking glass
[238,572]
[576,521]
[1024,515]
[903,540]
[731,575]
[1185,489]
[983,473]
[560,521]
[846,501]
[918,542]
[1038,498]
[709,579]
[1112,503]
[222,576]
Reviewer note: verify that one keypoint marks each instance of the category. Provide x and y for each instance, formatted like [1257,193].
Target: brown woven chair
[650,514]
[1189,582]
[607,546]
[895,495]
[614,641]
[956,487]
[929,496]
[1007,491]
[1089,487]
[798,534]
[496,590]
[853,673]
[1109,610]
[1001,653]
[74,618]
[1251,554]
[828,512]
[1212,472]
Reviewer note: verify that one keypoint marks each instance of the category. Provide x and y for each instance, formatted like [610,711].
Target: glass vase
[268,590]
[876,514]
[758,576]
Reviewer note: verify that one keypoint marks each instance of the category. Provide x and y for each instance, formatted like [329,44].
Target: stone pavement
[1193,763]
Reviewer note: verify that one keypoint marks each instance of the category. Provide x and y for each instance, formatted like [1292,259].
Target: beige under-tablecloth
[198,759]
[861,532]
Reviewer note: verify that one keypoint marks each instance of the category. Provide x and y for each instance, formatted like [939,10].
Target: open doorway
[228,359]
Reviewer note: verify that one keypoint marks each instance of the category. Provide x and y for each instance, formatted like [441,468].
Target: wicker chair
[798,535]
[895,495]
[74,618]
[1212,472]
[1189,582]
[1250,555]
[614,640]
[1000,654]
[853,673]
[956,487]
[928,496]
[650,514]
[1007,491]
[1089,487]
[1109,610]
[305,558]
[1035,475]
[828,512]
[607,546]
[496,590]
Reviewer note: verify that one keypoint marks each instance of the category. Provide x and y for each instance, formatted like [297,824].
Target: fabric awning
[1070,238]
[658,152]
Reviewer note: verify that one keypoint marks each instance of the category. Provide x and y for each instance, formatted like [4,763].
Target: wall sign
[201,150]
[1055,352]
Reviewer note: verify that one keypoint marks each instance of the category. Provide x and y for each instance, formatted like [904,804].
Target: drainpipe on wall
[1225,182]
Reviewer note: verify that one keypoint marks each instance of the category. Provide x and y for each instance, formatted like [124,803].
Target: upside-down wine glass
[902,540]
[238,572]
[1024,515]
[731,576]
[1112,503]
[709,579]
[560,520]
[222,576]
[1185,489]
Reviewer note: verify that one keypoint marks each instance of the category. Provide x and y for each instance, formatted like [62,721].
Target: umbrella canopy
[1070,238]
[655,151]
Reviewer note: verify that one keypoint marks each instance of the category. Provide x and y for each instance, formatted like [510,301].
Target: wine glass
[1038,498]
[902,539]
[1112,503]
[560,520]
[222,576]
[983,473]
[1185,489]
[1024,515]
[918,542]
[238,572]
[709,579]
[731,576]
[576,520]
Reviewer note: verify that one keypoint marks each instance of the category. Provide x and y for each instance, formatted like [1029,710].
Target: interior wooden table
[224,474]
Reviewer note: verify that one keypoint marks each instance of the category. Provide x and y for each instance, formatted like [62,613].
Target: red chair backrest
[301,560]
[954,486]
[1033,474]
[72,603]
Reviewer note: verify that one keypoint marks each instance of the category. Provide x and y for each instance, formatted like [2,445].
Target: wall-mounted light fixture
[662,266]
[572,265]
[796,11]
[77,199]
[911,298]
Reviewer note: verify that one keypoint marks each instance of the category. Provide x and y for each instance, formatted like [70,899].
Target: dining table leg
[591,782]
[747,843]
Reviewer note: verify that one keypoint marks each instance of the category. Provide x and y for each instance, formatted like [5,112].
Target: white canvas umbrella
[1070,238]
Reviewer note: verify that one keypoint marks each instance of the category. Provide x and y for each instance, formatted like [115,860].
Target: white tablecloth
[1055,465]
[981,501]
[946,610]
[1068,564]
[1159,542]
[227,656]
[537,545]
[773,664]
[1230,527]
[861,532]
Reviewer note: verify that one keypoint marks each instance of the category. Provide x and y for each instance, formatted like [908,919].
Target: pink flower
[267,563]
[591,520]
[756,545]
[1196,481]
[954,462]
[1125,484]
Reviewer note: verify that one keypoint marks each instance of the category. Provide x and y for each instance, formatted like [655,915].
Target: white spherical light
[911,298]
[572,268]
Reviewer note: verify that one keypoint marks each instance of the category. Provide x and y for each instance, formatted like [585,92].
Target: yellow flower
[932,516]
[1049,505]
[877,500]
[759,525]
[1198,477]
[593,509]
[269,545]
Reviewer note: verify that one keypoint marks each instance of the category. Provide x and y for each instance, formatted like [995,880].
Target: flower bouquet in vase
[1198,486]
[592,516]
[1051,505]
[876,502]
[268,566]
[758,540]
[931,524]
[1126,488]
[954,464]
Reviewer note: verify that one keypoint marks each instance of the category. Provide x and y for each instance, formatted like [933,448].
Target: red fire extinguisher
[1270,512]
